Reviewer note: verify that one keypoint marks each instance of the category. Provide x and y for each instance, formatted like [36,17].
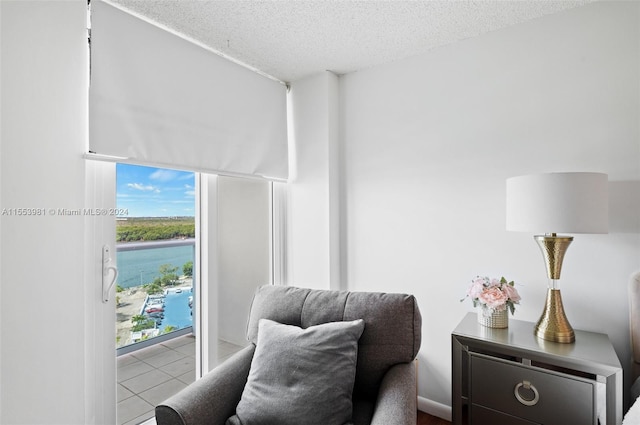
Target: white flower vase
[493,319]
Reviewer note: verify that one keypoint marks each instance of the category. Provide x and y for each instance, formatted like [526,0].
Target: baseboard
[434,408]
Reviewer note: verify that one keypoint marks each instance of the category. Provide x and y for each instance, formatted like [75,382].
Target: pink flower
[493,294]
[476,288]
[493,297]
[512,293]
[494,282]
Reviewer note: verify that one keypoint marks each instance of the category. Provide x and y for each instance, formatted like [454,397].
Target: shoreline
[163,243]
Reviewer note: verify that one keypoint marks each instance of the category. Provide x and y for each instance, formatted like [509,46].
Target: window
[234,238]
[155,236]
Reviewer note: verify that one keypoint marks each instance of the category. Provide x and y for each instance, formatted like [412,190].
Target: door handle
[107,282]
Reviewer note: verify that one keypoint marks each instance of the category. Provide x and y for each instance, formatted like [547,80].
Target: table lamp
[556,203]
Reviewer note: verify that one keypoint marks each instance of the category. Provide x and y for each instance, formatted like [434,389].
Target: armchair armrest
[397,397]
[634,392]
[211,399]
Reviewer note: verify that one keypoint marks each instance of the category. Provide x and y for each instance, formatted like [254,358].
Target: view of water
[140,266]
[176,310]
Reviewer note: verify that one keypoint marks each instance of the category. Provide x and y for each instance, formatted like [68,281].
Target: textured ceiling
[293,39]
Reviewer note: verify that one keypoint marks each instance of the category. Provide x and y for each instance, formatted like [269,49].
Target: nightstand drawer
[483,416]
[529,393]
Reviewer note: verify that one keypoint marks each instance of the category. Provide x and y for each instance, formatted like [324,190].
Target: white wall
[43,131]
[313,243]
[429,141]
[243,251]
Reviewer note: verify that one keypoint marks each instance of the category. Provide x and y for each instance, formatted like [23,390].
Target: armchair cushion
[384,392]
[393,324]
[301,375]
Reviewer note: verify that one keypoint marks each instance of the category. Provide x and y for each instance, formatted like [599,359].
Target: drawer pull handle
[528,388]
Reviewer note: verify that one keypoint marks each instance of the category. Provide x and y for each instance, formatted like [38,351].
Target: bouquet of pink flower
[493,294]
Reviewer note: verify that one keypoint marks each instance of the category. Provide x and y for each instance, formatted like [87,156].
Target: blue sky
[154,192]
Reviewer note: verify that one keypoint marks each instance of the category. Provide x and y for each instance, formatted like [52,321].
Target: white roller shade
[157,98]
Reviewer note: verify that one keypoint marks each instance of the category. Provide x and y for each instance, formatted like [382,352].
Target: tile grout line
[144,361]
[183,355]
[161,350]
[159,368]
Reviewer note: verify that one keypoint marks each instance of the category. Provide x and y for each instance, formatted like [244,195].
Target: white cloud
[144,188]
[163,175]
[190,193]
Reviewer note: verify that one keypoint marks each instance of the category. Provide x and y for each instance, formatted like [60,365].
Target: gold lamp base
[553,324]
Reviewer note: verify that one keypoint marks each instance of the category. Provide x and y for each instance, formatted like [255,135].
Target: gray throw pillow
[301,376]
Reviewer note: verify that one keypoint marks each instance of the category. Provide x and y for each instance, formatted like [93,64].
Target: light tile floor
[151,375]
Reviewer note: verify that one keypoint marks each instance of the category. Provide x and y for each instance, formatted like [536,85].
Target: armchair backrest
[392,331]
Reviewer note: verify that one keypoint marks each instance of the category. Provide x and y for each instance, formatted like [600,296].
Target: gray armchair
[385,383]
[634,326]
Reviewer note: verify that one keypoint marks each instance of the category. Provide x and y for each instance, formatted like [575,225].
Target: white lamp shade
[558,203]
